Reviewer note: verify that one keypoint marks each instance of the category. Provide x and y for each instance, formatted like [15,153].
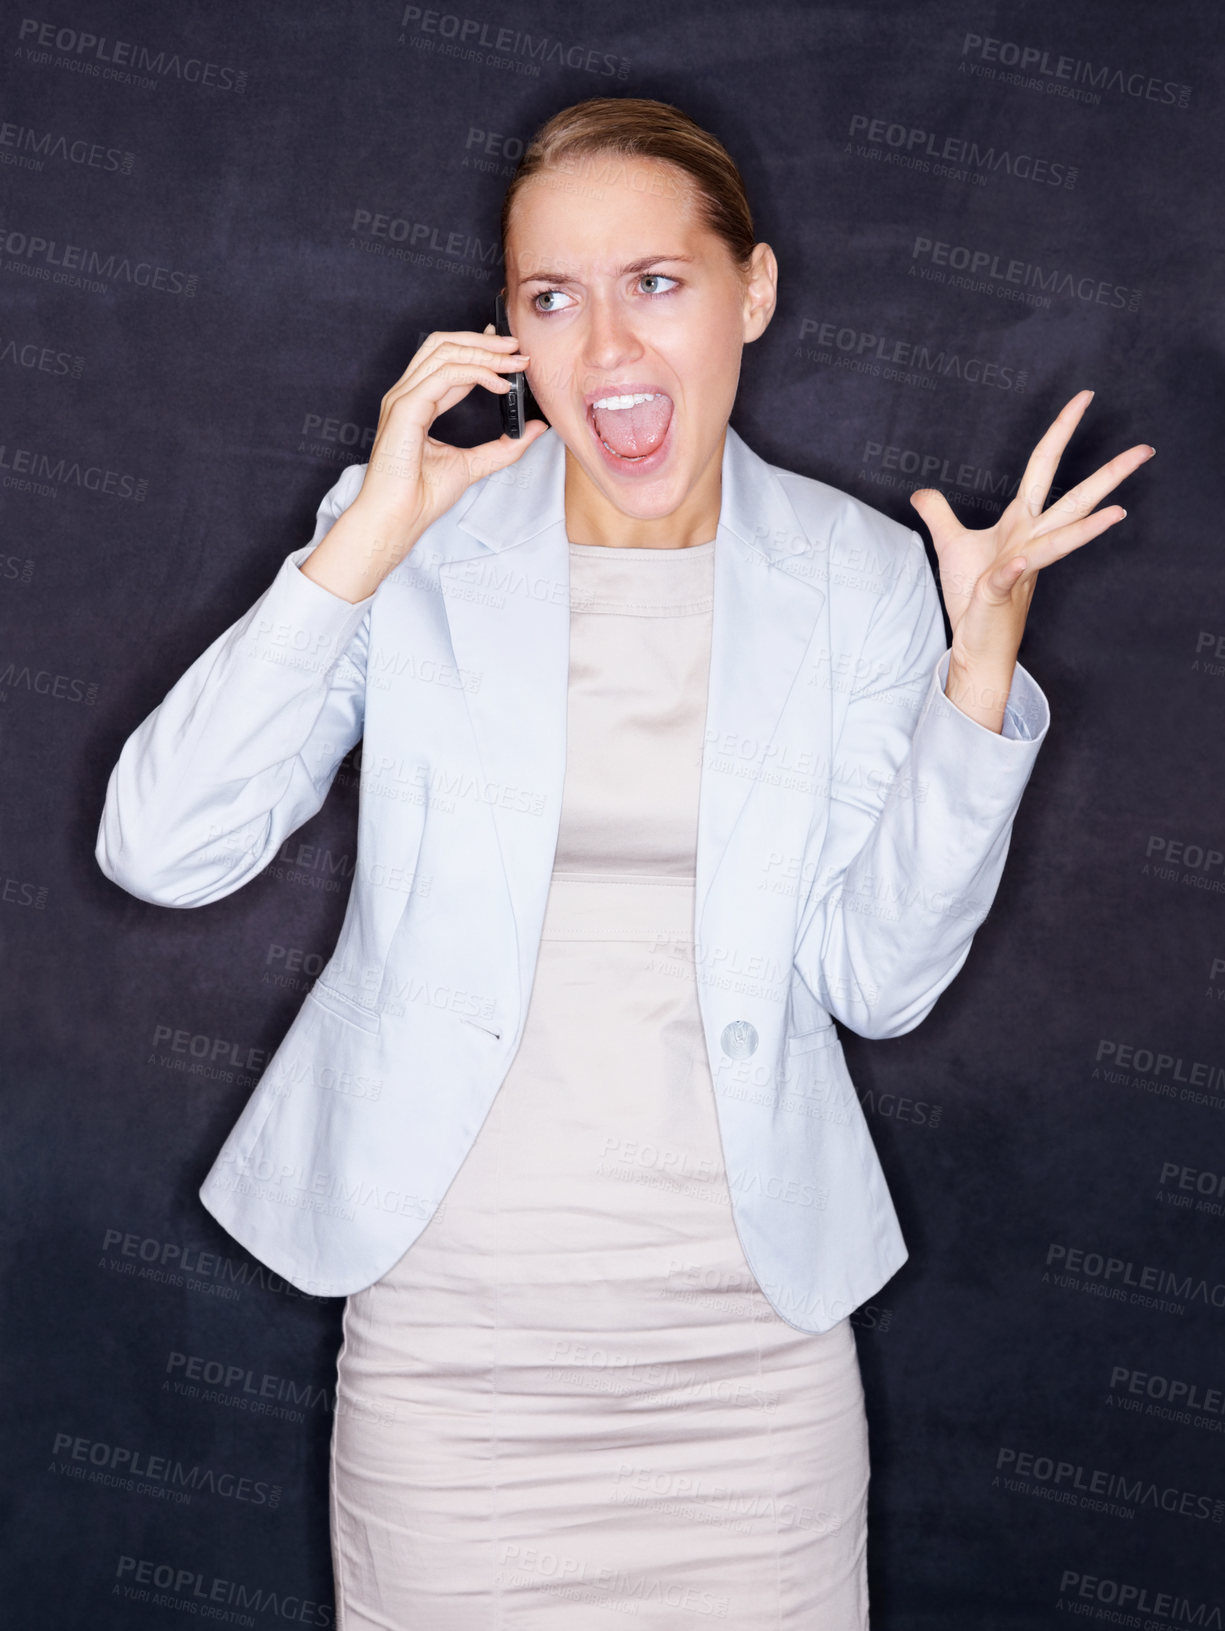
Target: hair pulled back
[639,127]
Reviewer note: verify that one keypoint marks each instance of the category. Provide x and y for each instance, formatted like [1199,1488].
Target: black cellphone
[518,405]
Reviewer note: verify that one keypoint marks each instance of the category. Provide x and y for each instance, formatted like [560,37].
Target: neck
[592,518]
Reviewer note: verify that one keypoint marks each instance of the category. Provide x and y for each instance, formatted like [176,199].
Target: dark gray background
[240,160]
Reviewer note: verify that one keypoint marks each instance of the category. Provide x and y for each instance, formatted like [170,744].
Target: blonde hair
[638,127]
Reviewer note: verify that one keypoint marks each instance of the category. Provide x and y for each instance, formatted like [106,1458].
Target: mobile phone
[518,405]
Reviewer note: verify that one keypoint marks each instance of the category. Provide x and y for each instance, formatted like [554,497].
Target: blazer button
[739,1039]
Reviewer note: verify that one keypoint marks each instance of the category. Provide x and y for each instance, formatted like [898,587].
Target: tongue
[634,432]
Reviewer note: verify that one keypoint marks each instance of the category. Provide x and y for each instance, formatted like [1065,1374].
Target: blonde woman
[666,768]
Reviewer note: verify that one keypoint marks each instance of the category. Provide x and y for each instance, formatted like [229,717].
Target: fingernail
[1151,450]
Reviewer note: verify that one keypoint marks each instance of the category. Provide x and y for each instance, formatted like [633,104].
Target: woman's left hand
[987,576]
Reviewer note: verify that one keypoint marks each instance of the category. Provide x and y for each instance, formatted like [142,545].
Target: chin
[643,500]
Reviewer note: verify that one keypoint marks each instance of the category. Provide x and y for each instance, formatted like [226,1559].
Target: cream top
[640,622]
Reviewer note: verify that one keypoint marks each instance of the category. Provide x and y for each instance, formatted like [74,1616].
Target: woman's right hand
[412,478]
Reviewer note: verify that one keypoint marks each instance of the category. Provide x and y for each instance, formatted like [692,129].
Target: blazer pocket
[810,1041]
[488,1029]
[365,1019]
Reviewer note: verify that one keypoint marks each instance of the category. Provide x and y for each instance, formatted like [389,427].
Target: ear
[760,291]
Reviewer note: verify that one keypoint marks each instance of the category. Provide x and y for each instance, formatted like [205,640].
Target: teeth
[624,401]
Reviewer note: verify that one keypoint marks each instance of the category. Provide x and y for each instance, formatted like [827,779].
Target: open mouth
[631,426]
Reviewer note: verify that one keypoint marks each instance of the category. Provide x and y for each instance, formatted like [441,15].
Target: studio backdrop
[225,230]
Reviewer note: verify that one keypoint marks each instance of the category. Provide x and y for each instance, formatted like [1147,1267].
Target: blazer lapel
[770,600]
[508,607]
[506,589]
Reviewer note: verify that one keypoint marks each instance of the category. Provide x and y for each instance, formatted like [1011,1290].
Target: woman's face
[634,316]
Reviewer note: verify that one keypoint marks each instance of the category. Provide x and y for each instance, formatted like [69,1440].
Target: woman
[664,764]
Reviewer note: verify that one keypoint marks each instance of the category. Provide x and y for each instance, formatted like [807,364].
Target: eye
[657,278]
[550,295]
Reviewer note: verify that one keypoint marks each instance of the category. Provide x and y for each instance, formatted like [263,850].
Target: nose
[610,341]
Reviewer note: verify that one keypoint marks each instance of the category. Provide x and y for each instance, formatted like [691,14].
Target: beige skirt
[570,1401]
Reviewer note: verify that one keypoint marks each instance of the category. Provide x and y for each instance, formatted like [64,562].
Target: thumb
[488,457]
[935,511]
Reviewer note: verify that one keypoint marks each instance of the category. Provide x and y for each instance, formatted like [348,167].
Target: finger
[462,335]
[1053,546]
[1044,460]
[510,362]
[417,409]
[476,368]
[452,352]
[434,343]
[440,389]
[487,342]
[1078,501]
[1005,575]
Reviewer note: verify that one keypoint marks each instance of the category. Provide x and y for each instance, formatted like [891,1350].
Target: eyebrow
[639,265]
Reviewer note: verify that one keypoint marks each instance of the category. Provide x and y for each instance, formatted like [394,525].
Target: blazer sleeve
[922,801]
[244,747]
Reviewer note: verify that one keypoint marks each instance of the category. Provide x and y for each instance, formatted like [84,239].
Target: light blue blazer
[852,828]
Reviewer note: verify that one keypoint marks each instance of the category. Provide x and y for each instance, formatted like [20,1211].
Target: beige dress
[569,1401]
